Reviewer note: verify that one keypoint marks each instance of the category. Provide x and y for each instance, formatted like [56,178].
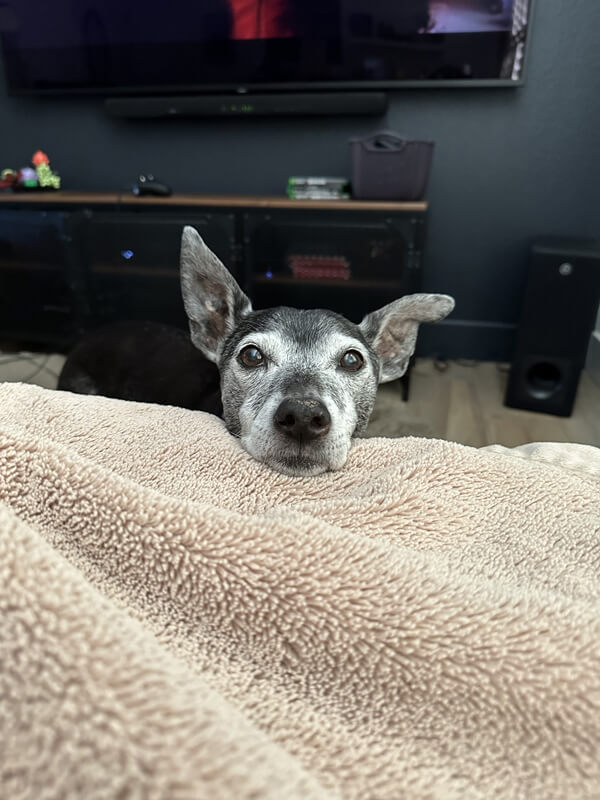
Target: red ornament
[40,157]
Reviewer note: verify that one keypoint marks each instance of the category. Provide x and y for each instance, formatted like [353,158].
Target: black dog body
[147,362]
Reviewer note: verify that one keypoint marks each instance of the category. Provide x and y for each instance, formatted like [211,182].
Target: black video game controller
[146,184]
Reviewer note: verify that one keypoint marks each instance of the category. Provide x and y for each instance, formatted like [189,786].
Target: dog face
[296,385]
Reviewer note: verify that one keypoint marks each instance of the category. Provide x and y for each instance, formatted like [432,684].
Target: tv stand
[71,261]
[248,105]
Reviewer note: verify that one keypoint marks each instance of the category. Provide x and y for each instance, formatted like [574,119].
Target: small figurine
[27,178]
[46,178]
[8,178]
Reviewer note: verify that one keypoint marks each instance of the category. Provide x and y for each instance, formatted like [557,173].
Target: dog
[296,386]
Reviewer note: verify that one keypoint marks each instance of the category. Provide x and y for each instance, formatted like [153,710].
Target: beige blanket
[179,622]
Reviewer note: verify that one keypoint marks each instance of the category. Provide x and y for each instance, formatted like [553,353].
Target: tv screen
[189,46]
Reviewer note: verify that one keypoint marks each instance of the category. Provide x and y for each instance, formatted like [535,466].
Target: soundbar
[247,105]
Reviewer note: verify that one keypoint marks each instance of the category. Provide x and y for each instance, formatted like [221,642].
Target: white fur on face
[318,374]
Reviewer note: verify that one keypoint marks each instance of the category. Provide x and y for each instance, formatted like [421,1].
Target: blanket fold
[178,621]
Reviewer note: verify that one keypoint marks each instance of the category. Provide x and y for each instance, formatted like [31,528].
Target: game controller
[147,184]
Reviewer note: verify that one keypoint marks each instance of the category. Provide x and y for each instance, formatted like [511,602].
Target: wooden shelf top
[214,200]
[60,197]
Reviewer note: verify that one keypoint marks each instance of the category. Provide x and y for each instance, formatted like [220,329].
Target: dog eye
[351,361]
[251,356]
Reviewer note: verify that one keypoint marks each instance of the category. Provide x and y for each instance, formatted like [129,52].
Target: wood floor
[464,403]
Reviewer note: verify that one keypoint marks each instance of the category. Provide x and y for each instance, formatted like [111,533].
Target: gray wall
[510,164]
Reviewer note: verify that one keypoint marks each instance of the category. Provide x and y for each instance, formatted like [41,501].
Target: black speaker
[559,310]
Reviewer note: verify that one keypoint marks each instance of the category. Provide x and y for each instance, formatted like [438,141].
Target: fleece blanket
[179,622]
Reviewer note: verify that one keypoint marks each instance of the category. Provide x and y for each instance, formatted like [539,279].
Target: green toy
[46,178]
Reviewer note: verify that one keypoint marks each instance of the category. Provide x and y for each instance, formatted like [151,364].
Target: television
[197,47]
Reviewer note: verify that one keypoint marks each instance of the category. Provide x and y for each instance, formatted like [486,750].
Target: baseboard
[473,339]
[592,364]
[484,341]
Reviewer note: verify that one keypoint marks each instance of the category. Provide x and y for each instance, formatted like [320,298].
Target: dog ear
[392,330]
[214,303]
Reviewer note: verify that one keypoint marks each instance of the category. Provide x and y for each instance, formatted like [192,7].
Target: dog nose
[302,419]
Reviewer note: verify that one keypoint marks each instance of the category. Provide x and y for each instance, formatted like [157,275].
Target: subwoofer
[559,308]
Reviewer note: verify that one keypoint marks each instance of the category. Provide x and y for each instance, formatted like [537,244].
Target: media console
[70,261]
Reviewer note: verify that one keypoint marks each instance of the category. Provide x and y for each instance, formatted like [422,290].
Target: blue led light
[269,274]
[127,254]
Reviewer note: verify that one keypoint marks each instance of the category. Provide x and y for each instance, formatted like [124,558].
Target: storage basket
[386,166]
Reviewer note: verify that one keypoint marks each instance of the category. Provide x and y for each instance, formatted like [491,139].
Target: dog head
[296,385]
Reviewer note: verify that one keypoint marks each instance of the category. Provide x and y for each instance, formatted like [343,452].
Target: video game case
[317,181]
[316,194]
